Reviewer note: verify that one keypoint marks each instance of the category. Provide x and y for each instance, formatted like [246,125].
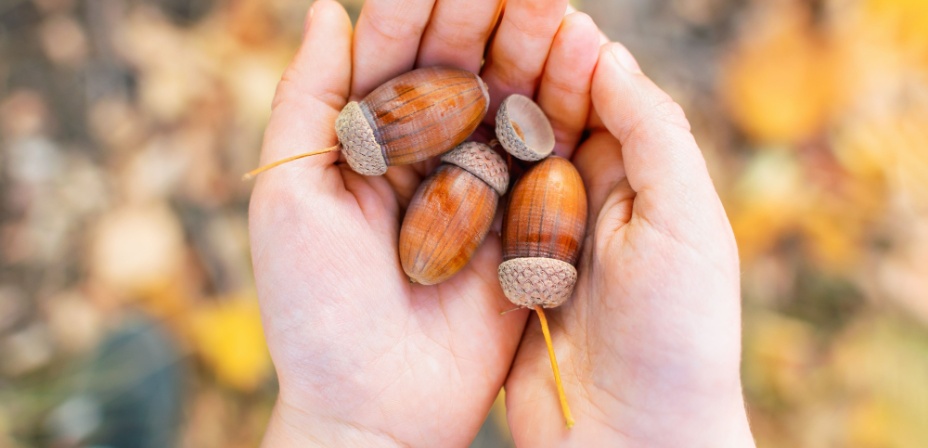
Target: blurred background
[127,310]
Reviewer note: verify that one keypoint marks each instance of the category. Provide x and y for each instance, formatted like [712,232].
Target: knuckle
[394,27]
[668,111]
[284,88]
[568,86]
[533,29]
[657,114]
[459,36]
[292,88]
[513,77]
[330,98]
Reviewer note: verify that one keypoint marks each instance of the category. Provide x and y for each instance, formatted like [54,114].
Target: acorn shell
[523,129]
[543,231]
[411,118]
[445,223]
[451,213]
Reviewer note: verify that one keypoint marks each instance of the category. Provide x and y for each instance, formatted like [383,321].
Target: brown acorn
[451,213]
[410,118]
[543,231]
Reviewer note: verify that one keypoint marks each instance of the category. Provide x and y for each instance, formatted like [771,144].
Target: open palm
[362,354]
[650,342]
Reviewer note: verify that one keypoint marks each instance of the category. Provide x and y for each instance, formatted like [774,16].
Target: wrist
[290,426]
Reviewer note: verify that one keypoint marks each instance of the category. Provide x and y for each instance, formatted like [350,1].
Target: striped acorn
[543,232]
[451,213]
[413,117]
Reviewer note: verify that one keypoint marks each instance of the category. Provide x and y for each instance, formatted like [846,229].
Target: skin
[650,343]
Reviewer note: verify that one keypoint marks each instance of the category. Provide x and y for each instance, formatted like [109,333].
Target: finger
[457,34]
[603,39]
[662,161]
[386,41]
[312,91]
[599,162]
[520,47]
[595,122]
[564,92]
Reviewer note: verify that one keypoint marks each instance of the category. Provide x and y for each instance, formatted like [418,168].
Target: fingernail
[309,18]
[625,59]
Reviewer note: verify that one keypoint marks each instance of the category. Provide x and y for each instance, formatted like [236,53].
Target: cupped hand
[363,357]
[649,345]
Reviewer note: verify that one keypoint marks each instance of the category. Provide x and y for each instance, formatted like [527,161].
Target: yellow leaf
[779,356]
[777,83]
[904,20]
[834,235]
[889,148]
[879,366]
[229,337]
[767,202]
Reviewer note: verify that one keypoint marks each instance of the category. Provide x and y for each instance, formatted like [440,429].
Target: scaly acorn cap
[523,129]
[362,151]
[481,161]
[530,282]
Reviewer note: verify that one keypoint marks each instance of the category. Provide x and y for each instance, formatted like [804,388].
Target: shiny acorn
[413,117]
[543,231]
[451,213]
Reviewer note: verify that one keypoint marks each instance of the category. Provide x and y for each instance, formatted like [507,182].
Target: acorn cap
[362,151]
[530,282]
[481,161]
[523,129]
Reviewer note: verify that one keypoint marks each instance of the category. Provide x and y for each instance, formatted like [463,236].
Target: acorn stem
[557,373]
[251,174]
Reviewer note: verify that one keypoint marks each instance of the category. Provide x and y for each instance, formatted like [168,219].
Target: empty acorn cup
[523,129]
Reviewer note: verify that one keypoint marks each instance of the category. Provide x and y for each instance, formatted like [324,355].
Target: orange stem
[557,373]
[251,174]
[510,310]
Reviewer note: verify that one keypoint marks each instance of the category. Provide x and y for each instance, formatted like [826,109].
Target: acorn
[523,129]
[543,232]
[413,117]
[451,213]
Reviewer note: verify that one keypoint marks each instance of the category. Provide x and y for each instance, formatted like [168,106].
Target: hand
[649,345]
[362,356]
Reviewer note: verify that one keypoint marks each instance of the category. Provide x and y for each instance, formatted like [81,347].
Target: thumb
[663,164]
[311,93]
